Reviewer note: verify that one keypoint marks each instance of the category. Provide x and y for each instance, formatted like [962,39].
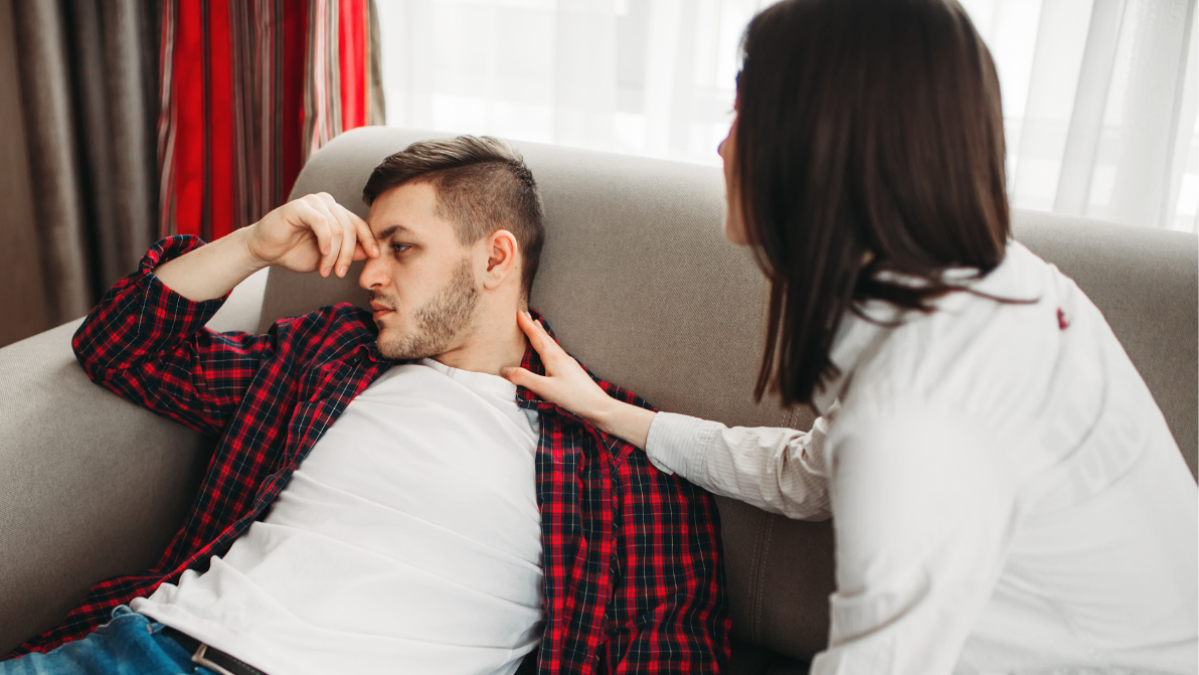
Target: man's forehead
[388,230]
[407,210]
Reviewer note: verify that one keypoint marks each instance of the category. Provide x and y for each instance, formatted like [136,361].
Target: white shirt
[409,540]
[1008,497]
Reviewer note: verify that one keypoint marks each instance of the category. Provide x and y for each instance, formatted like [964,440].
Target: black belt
[213,659]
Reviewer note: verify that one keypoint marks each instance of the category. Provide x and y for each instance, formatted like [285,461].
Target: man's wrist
[210,271]
[244,238]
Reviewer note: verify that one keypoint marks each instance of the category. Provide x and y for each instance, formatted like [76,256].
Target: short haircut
[482,185]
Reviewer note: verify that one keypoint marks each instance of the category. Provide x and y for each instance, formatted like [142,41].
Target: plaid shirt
[631,556]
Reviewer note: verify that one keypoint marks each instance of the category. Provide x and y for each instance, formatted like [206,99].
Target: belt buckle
[199,659]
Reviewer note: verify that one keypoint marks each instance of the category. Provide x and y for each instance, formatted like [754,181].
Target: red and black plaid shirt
[631,556]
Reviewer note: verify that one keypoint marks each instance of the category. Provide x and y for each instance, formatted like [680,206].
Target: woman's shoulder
[985,352]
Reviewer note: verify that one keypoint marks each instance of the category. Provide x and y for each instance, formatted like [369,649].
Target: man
[381,500]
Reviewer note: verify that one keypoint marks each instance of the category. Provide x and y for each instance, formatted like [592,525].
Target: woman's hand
[568,385]
[565,381]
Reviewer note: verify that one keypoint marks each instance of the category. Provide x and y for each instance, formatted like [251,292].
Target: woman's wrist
[625,421]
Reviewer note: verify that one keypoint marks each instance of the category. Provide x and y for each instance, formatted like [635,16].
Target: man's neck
[494,343]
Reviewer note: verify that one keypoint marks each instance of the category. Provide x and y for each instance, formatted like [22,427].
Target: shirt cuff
[675,443]
[162,311]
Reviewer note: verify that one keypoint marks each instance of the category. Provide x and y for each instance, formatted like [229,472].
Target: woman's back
[1072,494]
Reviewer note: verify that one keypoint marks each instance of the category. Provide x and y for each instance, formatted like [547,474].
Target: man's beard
[439,321]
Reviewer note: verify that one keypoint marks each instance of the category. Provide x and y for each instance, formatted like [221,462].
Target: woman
[1007,496]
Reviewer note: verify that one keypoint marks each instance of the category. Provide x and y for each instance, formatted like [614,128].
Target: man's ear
[503,258]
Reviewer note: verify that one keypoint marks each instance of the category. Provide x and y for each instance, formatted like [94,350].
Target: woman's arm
[780,470]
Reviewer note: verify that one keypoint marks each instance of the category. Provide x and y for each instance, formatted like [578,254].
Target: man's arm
[146,339]
[308,234]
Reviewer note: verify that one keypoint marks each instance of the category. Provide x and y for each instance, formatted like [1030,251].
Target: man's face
[423,288]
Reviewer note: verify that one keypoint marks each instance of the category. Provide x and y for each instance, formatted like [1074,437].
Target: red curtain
[250,89]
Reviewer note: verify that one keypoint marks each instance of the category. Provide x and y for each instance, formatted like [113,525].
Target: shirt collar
[368,351]
[855,334]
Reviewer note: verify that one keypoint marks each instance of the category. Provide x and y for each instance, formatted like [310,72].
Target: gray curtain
[88,73]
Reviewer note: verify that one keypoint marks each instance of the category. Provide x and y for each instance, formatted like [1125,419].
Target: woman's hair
[869,140]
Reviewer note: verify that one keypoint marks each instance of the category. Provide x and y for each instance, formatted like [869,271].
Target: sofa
[638,283]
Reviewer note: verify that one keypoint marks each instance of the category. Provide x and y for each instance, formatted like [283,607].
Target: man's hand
[304,235]
[312,233]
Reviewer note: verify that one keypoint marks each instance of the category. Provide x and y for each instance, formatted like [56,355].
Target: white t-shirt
[1007,495]
[409,540]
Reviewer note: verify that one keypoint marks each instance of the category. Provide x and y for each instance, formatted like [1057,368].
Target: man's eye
[400,248]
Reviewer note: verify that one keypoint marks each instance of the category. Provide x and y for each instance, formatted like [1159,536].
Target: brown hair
[482,186]
[869,139]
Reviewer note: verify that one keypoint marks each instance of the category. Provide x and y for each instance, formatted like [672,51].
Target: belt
[213,659]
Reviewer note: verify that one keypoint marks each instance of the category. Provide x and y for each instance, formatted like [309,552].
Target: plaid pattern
[632,567]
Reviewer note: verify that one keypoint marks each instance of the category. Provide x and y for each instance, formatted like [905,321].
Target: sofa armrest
[94,486]
[243,310]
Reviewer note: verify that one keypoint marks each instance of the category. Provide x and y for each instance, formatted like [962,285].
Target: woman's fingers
[523,378]
[565,382]
[541,340]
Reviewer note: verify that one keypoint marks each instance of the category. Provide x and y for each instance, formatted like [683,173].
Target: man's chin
[395,345]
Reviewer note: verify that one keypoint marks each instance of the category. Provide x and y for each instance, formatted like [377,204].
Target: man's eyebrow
[390,231]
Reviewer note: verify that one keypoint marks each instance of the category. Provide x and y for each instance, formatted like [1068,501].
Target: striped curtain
[250,89]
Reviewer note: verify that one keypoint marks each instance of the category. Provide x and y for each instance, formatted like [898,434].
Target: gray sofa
[638,282]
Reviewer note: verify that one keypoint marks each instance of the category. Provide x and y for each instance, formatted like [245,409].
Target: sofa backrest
[638,282]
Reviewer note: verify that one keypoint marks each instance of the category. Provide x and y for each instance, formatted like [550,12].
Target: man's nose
[373,275]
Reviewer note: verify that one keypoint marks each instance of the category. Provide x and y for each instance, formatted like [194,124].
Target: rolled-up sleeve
[148,344]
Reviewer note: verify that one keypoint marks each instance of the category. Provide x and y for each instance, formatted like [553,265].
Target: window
[1099,95]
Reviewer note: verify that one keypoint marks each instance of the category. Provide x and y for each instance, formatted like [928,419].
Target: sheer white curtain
[651,77]
[1099,105]
[1099,95]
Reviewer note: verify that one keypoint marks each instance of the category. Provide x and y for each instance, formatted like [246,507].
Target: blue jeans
[129,644]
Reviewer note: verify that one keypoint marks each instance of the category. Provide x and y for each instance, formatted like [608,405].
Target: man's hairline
[440,212]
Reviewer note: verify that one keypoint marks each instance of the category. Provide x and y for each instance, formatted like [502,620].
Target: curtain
[87,98]
[1099,105]
[132,119]
[1099,95]
[250,89]
[635,76]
